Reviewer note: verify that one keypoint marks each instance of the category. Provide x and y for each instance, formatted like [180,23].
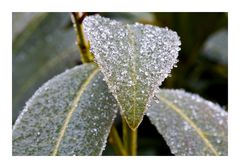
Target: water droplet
[96,117]
[219,141]
[130,83]
[186,126]
[178,145]
[123,72]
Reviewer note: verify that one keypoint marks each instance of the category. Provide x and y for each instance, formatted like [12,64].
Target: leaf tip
[133,123]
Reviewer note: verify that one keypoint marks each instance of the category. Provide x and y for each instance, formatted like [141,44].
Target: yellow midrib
[187,119]
[72,109]
[133,74]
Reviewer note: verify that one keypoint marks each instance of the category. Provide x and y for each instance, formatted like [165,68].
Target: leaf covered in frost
[134,59]
[44,48]
[190,124]
[71,114]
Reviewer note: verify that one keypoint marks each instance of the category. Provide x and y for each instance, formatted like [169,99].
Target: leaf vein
[73,107]
[131,39]
[187,119]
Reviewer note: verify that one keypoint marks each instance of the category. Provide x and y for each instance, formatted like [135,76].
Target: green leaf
[134,59]
[216,47]
[190,124]
[71,114]
[43,49]
[21,20]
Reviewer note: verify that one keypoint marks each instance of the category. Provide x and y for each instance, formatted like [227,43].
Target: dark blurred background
[44,45]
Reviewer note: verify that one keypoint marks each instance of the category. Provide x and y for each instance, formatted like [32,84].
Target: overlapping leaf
[20,21]
[216,47]
[71,114]
[43,47]
[189,124]
[134,59]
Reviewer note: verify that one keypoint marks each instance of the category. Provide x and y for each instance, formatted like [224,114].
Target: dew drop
[165,75]
[220,122]
[123,72]
[219,141]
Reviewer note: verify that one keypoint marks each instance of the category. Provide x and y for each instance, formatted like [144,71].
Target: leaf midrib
[188,120]
[133,74]
[72,108]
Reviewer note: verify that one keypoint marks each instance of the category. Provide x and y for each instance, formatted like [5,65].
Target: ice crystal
[189,124]
[134,59]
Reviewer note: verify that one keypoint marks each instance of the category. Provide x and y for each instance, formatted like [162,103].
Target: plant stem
[125,134]
[83,45]
[116,142]
[133,142]
[129,138]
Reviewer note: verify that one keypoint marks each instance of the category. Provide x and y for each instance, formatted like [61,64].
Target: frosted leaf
[41,51]
[134,60]
[189,124]
[129,17]
[65,119]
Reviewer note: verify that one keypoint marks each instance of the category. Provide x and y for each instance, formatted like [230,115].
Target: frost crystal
[134,59]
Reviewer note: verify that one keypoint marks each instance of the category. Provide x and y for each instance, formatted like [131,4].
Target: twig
[83,45]
[116,142]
